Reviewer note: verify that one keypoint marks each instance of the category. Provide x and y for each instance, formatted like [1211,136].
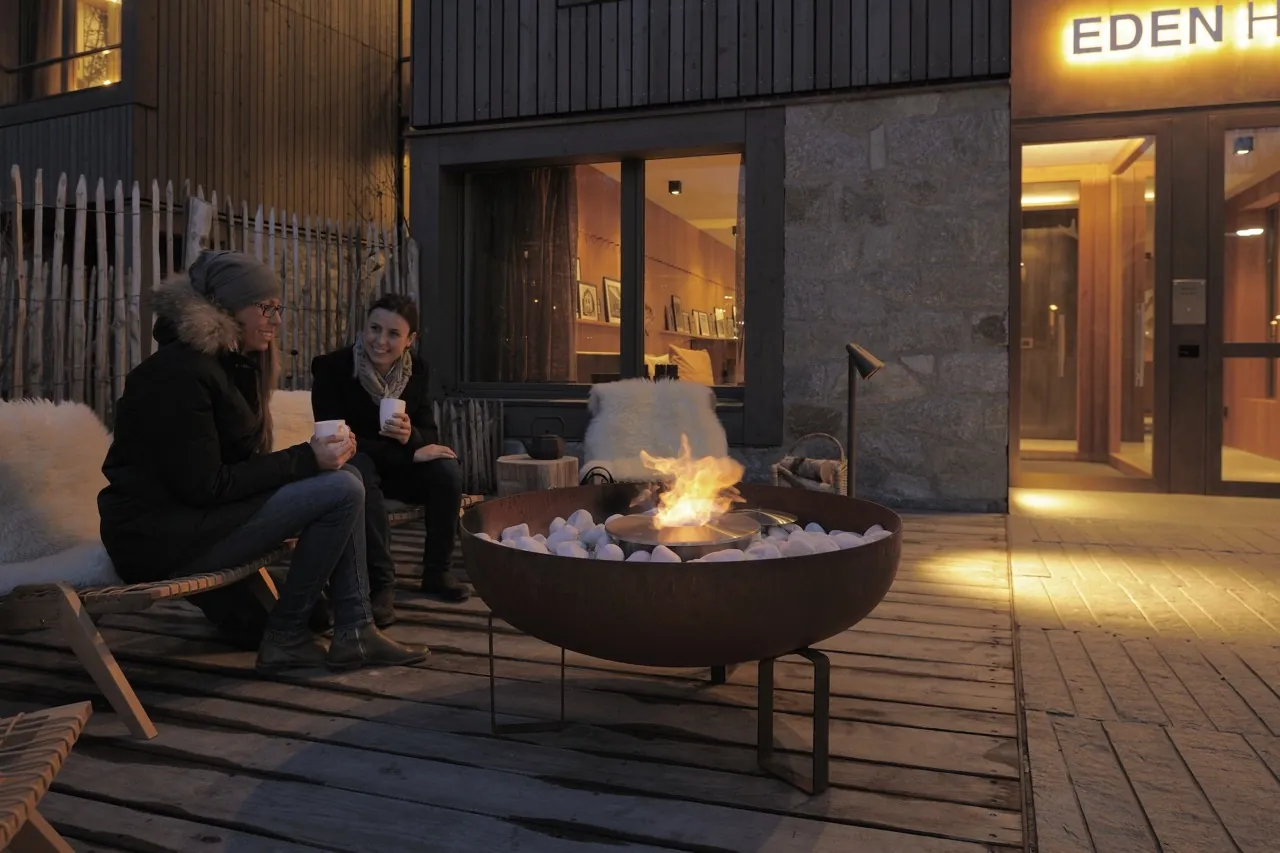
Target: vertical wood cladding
[486,60]
[288,103]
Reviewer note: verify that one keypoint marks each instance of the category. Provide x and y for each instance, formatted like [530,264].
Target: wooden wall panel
[289,103]
[97,144]
[556,57]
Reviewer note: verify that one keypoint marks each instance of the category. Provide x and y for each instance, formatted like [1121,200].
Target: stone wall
[897,238]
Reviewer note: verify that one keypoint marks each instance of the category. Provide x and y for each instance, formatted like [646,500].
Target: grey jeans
[326,513]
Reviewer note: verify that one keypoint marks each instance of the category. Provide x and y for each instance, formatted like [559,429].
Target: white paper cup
[389,406]
[328,429]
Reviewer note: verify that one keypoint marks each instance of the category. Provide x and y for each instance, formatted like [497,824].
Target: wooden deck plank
[648,746]
[1112,814]
[1129,694]
[312,814]
[1042,683]
[924,748]
[1181,817]
[978,707]
[1226,710]
[1087,691]
[1059,822]
[89,824]
[1175,700]
[1242,791]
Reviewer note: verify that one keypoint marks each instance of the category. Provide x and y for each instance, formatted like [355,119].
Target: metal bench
[33,748]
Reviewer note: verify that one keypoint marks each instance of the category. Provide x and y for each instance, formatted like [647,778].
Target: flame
[699,490]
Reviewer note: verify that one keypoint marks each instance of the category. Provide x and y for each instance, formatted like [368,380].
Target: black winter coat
[184,470]
[336,394]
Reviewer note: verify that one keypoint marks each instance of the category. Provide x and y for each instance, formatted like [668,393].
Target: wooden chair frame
[73,612]
[33,748]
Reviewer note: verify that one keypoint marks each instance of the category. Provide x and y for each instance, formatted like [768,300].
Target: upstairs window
[57,46]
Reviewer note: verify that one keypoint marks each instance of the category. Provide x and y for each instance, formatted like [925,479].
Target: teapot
[548,445]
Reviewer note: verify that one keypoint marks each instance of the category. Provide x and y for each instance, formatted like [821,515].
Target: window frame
[81,100]
[752,412]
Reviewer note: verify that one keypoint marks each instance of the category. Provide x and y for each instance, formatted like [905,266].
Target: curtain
[39,38]
[521,291]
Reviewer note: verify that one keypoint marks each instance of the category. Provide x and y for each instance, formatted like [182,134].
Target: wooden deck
[924,736]
[1150,659]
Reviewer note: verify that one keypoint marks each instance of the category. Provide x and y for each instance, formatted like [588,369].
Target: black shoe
[383,604]
[301,651]
[367,646]
[445,585]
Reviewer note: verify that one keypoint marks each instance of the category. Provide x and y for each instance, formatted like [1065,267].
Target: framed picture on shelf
[704,323]
[682,323]
[613,301]
[733,316]
[676,311]
[588,301]
[722,323]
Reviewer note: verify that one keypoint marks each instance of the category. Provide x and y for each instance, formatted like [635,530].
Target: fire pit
[679,614]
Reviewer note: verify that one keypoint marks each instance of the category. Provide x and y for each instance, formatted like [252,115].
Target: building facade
[741,188]
[288,103]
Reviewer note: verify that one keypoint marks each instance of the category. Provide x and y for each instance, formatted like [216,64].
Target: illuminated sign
[1171,33]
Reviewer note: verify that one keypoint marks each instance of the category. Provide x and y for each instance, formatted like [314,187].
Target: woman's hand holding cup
[395,423]
[333,444]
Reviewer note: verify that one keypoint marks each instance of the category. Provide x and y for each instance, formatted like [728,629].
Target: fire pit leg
[820,779]
[520,728]
[719,675]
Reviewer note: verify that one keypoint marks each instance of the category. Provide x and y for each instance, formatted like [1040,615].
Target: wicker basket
[786,472]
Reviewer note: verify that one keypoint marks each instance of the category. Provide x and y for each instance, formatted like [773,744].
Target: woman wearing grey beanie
[193,485]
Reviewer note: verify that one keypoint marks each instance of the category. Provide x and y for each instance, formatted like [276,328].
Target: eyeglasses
[269,311]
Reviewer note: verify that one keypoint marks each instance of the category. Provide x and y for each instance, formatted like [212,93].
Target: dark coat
[184,470]
[336,394]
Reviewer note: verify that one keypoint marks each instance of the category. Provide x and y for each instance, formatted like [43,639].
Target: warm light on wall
[1251,232]
[1158,33]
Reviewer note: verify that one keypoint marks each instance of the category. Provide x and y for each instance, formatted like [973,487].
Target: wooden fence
[72,315]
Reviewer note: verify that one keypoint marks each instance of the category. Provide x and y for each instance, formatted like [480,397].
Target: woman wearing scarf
[400,458]
[194,486]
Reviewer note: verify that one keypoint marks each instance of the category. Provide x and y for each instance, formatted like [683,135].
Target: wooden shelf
[598,323]
[696,337]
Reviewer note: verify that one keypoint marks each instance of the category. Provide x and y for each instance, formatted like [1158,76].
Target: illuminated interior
[1088,308]
[1251,311]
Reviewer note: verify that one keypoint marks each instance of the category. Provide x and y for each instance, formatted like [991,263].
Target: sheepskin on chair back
[638,414]
[291,419]
[50,476]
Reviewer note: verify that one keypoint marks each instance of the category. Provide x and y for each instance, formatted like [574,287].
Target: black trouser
[437,486]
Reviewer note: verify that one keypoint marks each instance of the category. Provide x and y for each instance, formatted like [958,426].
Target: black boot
[300,651]
[443,584]
[354,648]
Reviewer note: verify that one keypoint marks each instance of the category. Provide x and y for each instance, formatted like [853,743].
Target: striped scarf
[380,387]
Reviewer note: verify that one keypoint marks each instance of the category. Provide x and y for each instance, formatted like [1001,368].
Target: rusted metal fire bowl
[680,614]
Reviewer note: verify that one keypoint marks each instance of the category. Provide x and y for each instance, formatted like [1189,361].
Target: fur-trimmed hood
[184,315]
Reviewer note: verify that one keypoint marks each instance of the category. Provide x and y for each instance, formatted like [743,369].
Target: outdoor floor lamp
[861,364]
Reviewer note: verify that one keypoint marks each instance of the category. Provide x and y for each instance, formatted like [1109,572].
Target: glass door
[1087,339]
[1245,251]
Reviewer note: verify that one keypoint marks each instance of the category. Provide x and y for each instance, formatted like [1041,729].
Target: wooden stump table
[522,473]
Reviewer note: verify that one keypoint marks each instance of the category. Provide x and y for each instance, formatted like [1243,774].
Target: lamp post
[861,364]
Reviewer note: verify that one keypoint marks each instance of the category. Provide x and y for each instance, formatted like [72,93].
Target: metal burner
[638,533]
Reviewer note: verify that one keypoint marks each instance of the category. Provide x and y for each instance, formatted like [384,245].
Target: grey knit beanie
[233,280]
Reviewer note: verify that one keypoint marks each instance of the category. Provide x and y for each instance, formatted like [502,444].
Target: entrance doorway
[1245,252]
[1088,339]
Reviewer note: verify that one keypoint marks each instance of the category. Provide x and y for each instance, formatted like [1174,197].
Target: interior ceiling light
[673,187]
[1243,145]
[1250,232]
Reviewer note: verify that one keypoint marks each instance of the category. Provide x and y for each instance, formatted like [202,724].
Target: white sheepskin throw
[291,419]
[637,414]
[50,476]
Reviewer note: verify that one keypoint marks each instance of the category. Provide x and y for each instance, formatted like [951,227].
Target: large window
[49,47]
[544,281]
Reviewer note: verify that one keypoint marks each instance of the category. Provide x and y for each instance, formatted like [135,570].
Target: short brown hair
[398,303]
